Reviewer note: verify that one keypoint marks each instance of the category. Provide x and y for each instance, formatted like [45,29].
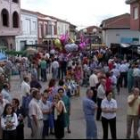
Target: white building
[117,30]
[63,27]
[29,25]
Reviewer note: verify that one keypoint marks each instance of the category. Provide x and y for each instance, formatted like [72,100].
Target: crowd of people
[48,110]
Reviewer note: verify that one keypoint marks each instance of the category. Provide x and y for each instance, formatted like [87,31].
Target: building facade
[29,36]
[10,25]
[117,30]
[135,14]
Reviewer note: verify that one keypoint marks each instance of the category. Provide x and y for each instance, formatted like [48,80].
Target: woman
[51,92]
[78,77]
[89,108]
[66,101]
[60,110]
[21,116]
[108,83]
[109,108]
[9,123]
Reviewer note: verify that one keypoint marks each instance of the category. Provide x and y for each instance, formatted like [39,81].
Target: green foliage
[15,53]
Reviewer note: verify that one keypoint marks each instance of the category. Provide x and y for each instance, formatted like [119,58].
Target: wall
[135,24]
[29,25]
[114,36]
[11,7]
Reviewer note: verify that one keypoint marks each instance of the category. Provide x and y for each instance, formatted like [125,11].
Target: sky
[82,13]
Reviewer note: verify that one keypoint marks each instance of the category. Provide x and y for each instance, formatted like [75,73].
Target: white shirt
[25,88]
[101,92]
[35,110]
[123,68]
[93,80]
[13,119]
[109,105]
[136,72]
[2,106]
[55,65]
[116,72]
[113,79]
[6,95]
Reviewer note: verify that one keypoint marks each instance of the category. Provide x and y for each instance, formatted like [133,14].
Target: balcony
[131,1]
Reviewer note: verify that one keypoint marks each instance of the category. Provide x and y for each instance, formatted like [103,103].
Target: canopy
[3,56]
[125,45]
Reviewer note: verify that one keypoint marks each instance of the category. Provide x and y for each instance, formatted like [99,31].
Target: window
[136,13]
[34,26]
[28,26]
[49,29]
[5,17]
[16,1]
[15,20]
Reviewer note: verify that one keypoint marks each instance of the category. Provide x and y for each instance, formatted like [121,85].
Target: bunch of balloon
[58,45]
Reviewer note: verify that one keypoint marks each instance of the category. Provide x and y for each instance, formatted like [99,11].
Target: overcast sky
[79,12]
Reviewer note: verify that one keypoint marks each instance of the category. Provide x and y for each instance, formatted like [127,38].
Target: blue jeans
[55,74]
[45,128]
[91,128]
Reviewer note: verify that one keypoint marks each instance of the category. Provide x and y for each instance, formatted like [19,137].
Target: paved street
[77,118]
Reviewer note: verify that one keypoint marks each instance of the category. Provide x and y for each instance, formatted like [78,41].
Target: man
[132,113]
[25,87]
[36,115]
[123,70]
[89,108]
[55,68]
[43,66]
[93,81]
[5,92]
[136,75]
[3,103]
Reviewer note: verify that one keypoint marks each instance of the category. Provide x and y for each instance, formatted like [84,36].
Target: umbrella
[31,51]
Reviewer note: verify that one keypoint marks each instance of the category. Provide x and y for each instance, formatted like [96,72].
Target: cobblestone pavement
[77,117]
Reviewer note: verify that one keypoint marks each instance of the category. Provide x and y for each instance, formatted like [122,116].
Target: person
[5,92]
[46,108]
[43,66]
[55,67]
[89,108]
[60,109]
[101,94]
[9,123]
[78,77]
[3,103]
[21,115]
[35,84]
[25,87]
[36,115]
[66,101]
[93,81]
[34,72]
[132,113]
[130,79]
[136,75]
[123,71]
[109,108]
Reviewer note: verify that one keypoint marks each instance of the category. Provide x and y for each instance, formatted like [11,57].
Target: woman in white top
[109,108]
[60,109]
[9,122]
